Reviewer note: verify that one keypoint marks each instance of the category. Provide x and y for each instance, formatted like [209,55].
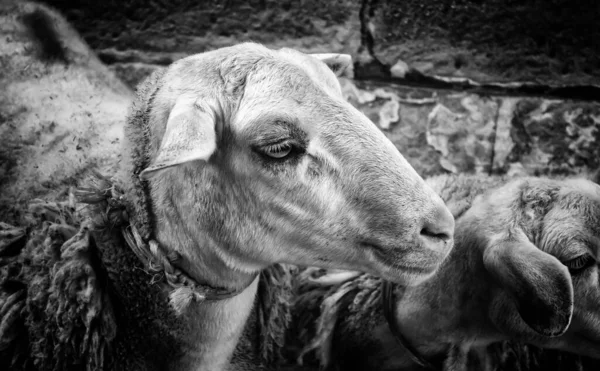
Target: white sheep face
[263,155]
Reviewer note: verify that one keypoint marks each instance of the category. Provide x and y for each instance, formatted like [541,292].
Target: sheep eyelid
[279,150]
[580,263]
[281,146]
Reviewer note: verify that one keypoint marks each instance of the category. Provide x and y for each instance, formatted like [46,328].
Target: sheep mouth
[395,261]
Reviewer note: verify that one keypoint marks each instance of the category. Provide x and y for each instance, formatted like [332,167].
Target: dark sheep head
[542,240]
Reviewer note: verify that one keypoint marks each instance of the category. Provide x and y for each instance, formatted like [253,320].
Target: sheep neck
[458,317]
[389,310]
[205,334]
[159,262]
[212,328]
[203,337]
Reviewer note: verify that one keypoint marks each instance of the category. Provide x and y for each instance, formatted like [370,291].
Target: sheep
[522,271]
[234,160]
[61,109]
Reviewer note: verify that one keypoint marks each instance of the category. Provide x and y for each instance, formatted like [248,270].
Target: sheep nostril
[444,237]
[438,231]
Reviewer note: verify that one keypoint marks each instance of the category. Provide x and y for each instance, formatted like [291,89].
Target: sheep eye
[580,263]
[278,151]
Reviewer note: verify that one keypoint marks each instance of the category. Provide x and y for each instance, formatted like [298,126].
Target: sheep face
[571,232]
[258,150]
[542,249]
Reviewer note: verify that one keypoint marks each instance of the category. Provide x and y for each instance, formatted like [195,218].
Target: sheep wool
[317,307]
[56,313]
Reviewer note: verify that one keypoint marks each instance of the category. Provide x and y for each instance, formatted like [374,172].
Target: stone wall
[448,131]
[544,41]
[190,26]
[448,128]
[547,42]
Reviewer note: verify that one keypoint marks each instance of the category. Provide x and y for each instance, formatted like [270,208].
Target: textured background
[540,40]
[552,42]
[438,129]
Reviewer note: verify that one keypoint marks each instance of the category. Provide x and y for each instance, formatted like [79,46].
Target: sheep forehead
[307,113]
[563,231]
[293,92]
[300,76]
[582,196]
[575,215]
[271,81]
[316,69]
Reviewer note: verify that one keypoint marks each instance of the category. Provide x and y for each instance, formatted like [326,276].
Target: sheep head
[572,233]
[255,154]
[536,285]
[542,251]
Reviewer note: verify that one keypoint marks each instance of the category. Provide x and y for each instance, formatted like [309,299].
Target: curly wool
[55,313]
[274,311]
[317,306]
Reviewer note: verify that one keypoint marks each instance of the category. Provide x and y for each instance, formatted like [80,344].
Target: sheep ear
[539,284]
[340,64]
[189,136]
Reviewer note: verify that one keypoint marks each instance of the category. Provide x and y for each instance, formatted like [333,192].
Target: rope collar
[389,311]
[187,289]
[110,202]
